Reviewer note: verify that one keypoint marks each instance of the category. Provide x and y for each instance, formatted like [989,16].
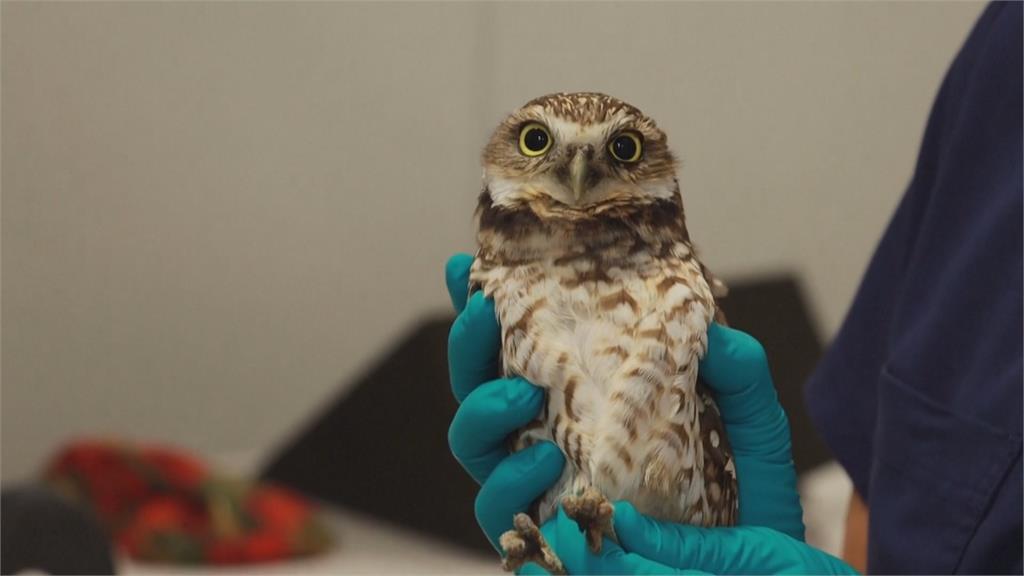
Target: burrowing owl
[583,246]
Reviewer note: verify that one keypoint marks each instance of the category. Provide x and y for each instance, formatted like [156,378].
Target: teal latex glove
[735,367]
[490,409]
[564,535]
[649,547]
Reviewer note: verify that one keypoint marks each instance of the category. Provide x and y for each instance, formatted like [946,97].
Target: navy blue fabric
[919,396]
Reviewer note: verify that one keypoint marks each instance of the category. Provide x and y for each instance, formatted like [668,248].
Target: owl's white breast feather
[618,357]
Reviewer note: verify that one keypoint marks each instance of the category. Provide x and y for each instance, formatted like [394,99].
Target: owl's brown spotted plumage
[602,301]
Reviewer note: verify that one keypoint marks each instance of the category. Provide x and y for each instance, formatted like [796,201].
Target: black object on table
[41,531]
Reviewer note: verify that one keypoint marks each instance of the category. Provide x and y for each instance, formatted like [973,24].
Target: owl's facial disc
[578,152]
[576,165]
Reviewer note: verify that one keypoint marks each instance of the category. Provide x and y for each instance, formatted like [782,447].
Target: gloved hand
[647,546]
[492,408]
[735,368]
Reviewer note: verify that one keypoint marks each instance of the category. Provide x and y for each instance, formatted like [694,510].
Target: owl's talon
[525,543]
[593,513]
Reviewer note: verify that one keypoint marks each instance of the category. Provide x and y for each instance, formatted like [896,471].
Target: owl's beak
[578,174]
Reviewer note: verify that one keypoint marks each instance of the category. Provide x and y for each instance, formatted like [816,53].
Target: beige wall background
[215,214]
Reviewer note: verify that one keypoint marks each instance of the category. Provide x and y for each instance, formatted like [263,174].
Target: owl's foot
[524,543]
[593,512]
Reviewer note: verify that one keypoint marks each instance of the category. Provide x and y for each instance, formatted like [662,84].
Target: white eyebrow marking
[571,131]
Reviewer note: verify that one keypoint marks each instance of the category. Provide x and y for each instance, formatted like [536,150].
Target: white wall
[213,214]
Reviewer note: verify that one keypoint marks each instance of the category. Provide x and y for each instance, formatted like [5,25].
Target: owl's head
[577,153]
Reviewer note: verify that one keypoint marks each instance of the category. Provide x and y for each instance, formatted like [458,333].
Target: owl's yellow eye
[626,147]
[534,140]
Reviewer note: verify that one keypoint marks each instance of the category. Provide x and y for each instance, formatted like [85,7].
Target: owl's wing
[690,460]
[719,466]
[718,287]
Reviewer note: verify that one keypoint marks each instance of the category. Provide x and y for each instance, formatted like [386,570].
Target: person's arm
[855,539]
[919,394]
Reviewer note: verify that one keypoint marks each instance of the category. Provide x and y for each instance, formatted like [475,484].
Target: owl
[602,302]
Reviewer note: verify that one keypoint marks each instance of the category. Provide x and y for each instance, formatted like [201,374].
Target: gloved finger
[571,547]
[474,343]
[456,276]
[668,543]
[736,368]
[486,418]
[531,569]
[735,361]
[514,484]
[736,550]
[768,492]
[612,559]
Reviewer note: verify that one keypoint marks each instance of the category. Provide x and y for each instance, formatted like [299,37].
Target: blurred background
[218,219]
